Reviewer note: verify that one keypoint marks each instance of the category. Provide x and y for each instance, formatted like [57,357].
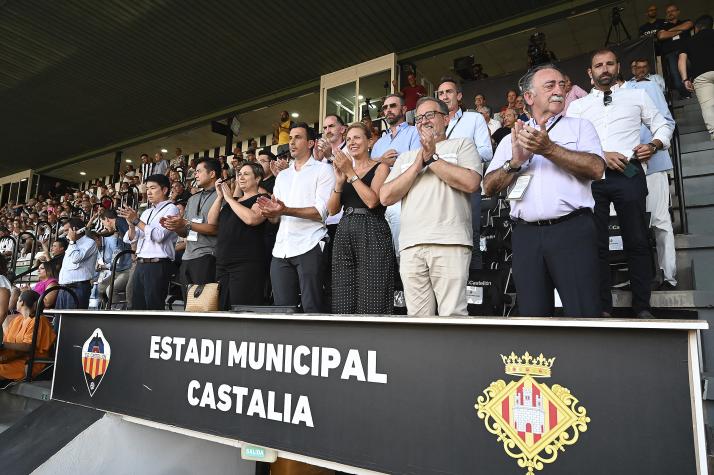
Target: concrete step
[697,163]
[695,142]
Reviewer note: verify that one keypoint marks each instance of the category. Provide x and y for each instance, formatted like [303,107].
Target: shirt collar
[532,122]
[458,114]
[161,204]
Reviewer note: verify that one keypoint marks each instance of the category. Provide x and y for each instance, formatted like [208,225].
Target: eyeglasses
[390,106]
[607,98]
[427,115]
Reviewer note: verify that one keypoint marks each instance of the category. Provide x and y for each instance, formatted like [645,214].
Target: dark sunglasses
[607,98]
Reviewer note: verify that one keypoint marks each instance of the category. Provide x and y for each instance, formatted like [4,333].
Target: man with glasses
[617,114]
[399,138]
[434,183]
[549,163]
[470,125]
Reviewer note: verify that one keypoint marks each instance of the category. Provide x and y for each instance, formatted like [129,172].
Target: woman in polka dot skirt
[363,258]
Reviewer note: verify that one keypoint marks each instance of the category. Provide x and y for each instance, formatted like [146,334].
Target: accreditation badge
[519,188]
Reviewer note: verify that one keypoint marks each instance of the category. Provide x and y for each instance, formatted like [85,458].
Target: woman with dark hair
[17,342]
[47,275]
[363,257]
[240,250]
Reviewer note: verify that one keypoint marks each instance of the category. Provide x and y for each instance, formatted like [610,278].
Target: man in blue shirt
[78,266]
[658,199]
[399,138]
[470,125]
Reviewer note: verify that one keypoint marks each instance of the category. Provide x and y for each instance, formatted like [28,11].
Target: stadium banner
[403,395]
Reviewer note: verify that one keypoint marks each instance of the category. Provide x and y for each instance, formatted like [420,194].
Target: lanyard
[455,124]
[148,221]
[553,124]
[201,203]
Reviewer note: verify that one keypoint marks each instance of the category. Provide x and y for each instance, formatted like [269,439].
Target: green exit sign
[259,454]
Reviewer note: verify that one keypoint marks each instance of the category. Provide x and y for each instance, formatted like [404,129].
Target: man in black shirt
[652,26]
[698,50]
[265,156]
[673,34]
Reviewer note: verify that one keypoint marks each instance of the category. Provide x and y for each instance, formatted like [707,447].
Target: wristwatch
[654,147]
[188,227]
[135,222]
[433,158]
[352,179]
[508,169]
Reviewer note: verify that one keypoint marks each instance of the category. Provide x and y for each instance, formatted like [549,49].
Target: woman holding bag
[240,250]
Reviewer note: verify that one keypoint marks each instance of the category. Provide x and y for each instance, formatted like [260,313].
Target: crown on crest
[538,367]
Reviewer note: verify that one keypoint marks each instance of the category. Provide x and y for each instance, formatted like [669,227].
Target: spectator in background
[554,241]
[672,35]
[179,192]
[658,199]
[641,72]
[363,258]
[511,96]
[179,159]
[155,246]
[78,266]
[493,124]
[112,244]
[5,291]
[699,51]
[240,269]
[651,27]
[509,119]
[299,204]
[520,107]
[479,100]
[250,155]
[161,165]
[146,170]
[6,245]
[617,115]
[282,129]
[198,263]
[46,279]
[265,157]
[572,92]
[472,126]
[411,94]
[436,232]
[478,72]
[399,138]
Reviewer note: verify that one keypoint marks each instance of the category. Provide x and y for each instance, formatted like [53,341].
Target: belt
[548,222]
[350,210]
[152,260]
[73,285]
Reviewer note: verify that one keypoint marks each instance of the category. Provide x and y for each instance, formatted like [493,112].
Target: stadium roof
[78,76]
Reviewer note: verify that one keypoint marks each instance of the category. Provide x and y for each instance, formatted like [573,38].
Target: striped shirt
[147,169]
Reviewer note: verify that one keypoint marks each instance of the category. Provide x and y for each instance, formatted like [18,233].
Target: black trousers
[628,195]
[241,282]
[300,279]
[476,259]
[201,270]
[561,256]
[150,285]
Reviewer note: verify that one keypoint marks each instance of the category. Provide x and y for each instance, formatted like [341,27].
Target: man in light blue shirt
[399,138]
[80,260]
[473,126]
[658,199]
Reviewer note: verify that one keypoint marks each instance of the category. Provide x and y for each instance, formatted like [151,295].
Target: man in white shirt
[617,115]
[299,204]
[470,125]
[493,124]
[155,246]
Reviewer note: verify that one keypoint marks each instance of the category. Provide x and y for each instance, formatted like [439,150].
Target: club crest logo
[96,353]
[533,421]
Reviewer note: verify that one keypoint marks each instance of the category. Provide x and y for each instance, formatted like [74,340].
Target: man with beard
[472,126]
[553,161]
[617,114]
[399,138]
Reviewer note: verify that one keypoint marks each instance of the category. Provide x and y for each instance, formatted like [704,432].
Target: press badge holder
[519,188]
[193,235]
[630,170]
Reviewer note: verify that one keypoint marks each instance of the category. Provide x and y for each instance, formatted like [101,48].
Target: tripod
[618,26]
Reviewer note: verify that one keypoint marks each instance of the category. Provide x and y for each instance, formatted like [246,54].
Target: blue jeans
[675,80]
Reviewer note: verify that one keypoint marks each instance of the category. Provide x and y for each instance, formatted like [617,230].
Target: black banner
[396,397]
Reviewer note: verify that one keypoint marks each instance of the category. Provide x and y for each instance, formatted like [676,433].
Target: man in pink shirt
[572,92]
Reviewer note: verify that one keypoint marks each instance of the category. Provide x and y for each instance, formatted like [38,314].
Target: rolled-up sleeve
[126,239]
[325,184]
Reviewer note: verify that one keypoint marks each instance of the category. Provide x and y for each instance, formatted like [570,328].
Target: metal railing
[113,276]
[675,147]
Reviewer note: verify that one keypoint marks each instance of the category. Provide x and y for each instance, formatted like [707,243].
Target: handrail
[114,268]
[38,315]
[679,180]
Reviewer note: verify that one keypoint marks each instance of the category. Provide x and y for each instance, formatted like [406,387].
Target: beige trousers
[434,277]
[704,87]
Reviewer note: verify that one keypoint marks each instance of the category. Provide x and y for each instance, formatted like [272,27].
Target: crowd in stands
[337,222]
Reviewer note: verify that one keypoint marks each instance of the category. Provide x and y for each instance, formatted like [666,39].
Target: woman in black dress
[240,250]
[363,258]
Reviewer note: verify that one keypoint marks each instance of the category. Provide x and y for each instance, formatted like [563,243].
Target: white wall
[114,446]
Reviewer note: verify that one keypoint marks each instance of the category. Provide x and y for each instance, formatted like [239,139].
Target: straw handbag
[202,298]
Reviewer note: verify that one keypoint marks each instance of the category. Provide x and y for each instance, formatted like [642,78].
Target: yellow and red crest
[533,421]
